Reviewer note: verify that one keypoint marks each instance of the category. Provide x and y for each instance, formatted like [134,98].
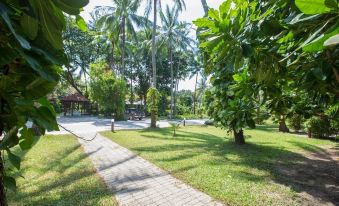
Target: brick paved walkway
[137,182]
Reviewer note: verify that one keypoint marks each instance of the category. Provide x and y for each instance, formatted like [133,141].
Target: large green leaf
[64,6]
[46,119]
[74,3]
[312,6]
[51,20]
[43,72]
[29,26]
[14,160]
[81,23]
[9,183]
[3,13]
[213,13]
[332,41]
[203,22]
[319,43]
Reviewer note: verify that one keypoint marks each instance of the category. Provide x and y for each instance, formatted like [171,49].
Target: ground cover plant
[272,169]
[56,171]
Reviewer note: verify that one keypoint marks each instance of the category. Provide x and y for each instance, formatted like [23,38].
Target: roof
[74,98]
[134,103]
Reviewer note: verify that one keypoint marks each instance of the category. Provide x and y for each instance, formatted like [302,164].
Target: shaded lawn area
[56,171]
[271,169]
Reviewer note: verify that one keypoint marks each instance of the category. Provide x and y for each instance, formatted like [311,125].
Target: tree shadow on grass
[63,178]
[315,174]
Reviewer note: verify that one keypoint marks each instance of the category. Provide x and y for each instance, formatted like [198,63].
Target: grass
[56,171]
[207,159]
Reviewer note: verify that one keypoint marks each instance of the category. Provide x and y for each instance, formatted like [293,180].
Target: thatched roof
[74,98]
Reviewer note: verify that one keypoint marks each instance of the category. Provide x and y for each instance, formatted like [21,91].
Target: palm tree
[205,6]
[175,34]
[120,20]
[154,4]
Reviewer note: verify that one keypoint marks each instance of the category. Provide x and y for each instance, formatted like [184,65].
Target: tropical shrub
[107,90]
[318,127]
[296,122]
[153,97]
[32,55]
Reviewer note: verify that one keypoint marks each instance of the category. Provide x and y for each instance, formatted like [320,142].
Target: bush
[296,122]
[107,90]
[183,109]
[319,127]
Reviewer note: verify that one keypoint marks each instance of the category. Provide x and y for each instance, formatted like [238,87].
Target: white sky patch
[193,11]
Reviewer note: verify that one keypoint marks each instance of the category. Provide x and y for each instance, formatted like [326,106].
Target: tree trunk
[172,80]
[3,199]
[205,6]
[175,98]
[123,45]
[282,125]
[86,90]
[132,96]
[195,93]
[112,60]
[153,43]
[239,137]
[153,120]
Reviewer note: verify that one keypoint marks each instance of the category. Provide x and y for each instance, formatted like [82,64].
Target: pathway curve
[137,182]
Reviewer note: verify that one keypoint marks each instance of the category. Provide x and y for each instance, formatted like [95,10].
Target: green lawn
[207,159]
[56,171]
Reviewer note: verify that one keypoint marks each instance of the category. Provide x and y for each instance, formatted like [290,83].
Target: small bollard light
[112,125]
[184,122]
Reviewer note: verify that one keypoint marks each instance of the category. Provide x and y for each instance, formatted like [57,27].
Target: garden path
[137,182]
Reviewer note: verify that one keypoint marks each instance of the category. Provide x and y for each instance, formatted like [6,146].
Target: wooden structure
[76,105]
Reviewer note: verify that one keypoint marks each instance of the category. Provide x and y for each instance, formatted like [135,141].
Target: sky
[193,11]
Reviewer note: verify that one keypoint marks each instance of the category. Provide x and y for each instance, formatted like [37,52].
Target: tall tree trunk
[153,120]
[154,83]
[282,125]
[86,91]
[239,137]
[205,6]
[68,76]
[112,60]
[123,44]
[195,93]
[132,96]
[175,98]
[3,199]
[172,80]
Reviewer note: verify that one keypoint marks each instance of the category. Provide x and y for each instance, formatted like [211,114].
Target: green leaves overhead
[15,160]
[332,41]
[314,6]
[70,7]
[270,50]
[31,50]
[319,43]
[81,23]
[29,26]
[4,14]
[51,20]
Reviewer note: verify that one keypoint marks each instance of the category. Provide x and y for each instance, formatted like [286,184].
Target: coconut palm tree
[154,4]
[119,20]
[205,6]
[175,35]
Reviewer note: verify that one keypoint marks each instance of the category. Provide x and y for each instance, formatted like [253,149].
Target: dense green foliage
[153,97]
[31,55]
[107,90]
[273,53]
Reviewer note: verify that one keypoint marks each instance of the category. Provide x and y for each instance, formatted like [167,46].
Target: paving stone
[137,182]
